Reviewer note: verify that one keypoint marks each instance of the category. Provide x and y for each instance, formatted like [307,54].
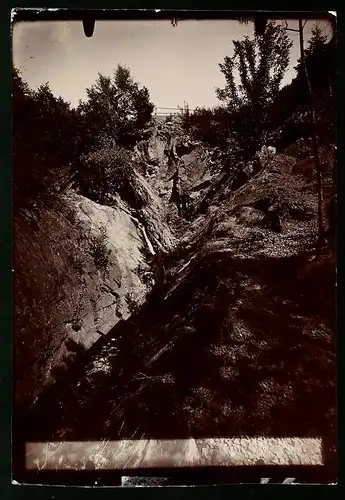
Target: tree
[314,137]
[294,98]
[115,109]
[314,54]
[319,58]
[319,63]
[261,63]
[259,21]
[185,116]
[210,126]
[43,146]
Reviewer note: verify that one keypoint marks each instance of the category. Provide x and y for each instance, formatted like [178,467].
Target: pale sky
[176,64]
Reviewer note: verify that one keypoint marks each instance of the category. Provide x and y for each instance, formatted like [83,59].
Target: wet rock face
[97,271]
[77,277]
[122,275]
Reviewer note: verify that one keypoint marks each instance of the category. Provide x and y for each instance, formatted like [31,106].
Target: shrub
[108,171]
[99,249]
[131,303]
[211,126]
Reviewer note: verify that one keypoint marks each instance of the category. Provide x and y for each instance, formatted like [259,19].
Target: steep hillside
[238,339]
[80,267]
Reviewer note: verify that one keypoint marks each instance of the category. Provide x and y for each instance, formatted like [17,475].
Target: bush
[131,303]
[109,171]
[99,249]
[211,126]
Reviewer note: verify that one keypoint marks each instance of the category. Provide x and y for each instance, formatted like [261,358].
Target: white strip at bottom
[147,453]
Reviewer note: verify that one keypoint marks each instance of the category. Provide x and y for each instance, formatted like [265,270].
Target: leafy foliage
[99,249]
[209,125]
[260,63]
[52,141]
[107,171]
[115,109]
[43,128]
[289,111]
[320,62]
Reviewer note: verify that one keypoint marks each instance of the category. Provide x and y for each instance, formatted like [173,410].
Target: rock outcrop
[166,155]
[79,269]
[236,341]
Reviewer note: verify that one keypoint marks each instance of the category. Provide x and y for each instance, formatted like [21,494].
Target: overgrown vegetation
[256,110]
[116,109]
[289,114]
[99,249]
[107,171]
[261,63]
[56,146]
[211,126]
[43,128]
[51,259]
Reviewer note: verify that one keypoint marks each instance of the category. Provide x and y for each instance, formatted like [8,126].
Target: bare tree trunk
[315,142]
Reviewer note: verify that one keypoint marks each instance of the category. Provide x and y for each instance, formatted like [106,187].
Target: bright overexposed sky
[176,64]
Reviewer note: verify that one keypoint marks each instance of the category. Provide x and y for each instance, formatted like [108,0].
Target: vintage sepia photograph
[174,218]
